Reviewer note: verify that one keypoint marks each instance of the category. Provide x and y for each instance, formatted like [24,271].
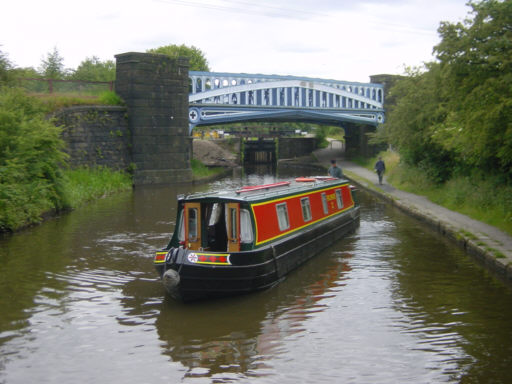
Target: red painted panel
[266,213]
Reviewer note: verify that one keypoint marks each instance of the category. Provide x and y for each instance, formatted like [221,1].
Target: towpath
[490,245]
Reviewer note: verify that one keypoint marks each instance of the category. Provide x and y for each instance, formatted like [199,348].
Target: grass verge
[57,101]
[201,171]
[86,184]
[484,199]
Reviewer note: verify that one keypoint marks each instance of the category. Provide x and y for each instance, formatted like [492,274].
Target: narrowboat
[235,242]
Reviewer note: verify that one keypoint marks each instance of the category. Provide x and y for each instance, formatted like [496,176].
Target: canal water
[393,302]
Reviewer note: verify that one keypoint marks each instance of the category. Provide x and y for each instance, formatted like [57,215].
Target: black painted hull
[256,269]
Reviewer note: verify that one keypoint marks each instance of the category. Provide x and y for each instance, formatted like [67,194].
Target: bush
[110,98]
[31,157]
[321,137]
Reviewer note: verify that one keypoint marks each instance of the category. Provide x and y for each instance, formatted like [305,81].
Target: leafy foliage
[197,58]
[27,72]
[110,98]
[30,160]
[456,114]
[476,59]
[93,69]
[5,69]
[419,107]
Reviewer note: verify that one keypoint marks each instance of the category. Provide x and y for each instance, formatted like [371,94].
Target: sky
[332,39]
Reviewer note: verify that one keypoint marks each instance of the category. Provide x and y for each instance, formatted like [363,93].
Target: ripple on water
[391,303]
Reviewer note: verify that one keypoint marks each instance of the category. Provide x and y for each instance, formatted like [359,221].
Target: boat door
[193,225]
[233,224]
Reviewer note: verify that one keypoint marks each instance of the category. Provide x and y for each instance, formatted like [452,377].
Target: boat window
[306,208]
[181,228]
[192,224]
[324,203]
[282,216]
[339,199]
[246,235]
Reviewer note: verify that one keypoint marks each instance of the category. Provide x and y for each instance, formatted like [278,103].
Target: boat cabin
[253,216]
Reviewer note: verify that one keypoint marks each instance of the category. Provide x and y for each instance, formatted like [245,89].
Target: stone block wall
[155,89]
[96,136]
[291,147]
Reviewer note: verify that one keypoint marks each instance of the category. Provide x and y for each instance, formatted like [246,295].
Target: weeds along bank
[34,174]
[51,165]
[486,198]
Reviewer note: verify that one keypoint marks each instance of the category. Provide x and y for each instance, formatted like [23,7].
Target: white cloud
[340,39]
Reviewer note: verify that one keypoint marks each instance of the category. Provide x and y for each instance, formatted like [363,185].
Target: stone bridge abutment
[155,90]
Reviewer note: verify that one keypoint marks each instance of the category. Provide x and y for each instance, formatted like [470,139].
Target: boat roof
[254,193]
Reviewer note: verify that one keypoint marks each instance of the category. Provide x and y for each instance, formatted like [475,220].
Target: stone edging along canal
[489,246]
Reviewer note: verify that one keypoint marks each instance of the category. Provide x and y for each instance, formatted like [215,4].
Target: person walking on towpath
[380,167]
[334,170]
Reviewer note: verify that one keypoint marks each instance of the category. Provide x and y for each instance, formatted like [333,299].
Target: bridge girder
[214,114]
[222,98]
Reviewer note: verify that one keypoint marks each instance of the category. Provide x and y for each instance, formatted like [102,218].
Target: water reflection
[392,303]
[450,316]
[237,335]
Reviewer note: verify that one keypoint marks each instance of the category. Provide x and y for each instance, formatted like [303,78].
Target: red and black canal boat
[233,242]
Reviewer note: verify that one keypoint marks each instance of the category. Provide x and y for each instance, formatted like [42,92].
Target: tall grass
[56,101]
[200,170]
[483,198]
[86,184]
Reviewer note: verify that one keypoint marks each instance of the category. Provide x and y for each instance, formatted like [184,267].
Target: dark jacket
[335,171]
[380,166]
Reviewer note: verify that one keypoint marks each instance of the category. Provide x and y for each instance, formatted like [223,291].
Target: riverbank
[213,160]
[489,245]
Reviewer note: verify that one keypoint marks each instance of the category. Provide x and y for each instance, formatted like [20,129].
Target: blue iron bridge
[217,98]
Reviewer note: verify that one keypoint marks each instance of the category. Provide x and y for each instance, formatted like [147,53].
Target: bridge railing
[217,98]
[282,91]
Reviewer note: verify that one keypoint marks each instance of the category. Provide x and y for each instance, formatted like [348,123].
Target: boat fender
[181,256]
[171,280]
[172,256]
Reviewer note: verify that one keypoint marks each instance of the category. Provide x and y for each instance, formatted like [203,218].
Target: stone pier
[155,89]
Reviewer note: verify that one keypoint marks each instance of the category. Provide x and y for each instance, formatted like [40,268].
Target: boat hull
[252,270]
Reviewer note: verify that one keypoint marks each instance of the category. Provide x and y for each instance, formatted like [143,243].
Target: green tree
[26,72]
[197,58]
[457,113]
[419,106]
[5,69]
[52,67]
[93,69]
[476,61]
